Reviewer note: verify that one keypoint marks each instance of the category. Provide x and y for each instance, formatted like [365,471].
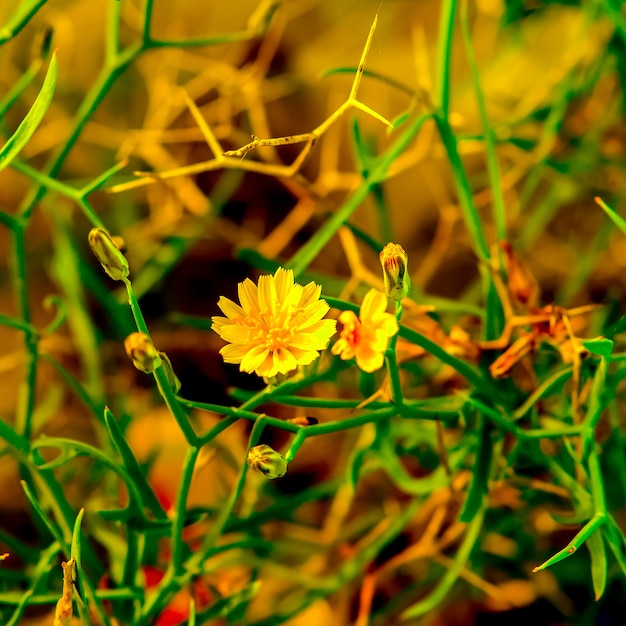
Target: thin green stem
[463,189]
[90,103]
[444,56]
[493,167]
[597,484]
[22,15]
[509,426]
[26,404]
[459,561]
[392,365]
[178,521]
[166,391]
[545,388]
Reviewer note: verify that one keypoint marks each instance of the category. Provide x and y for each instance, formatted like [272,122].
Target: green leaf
[76,552]
[601,346]
[480,476]
[38,509]
[133,468]
[354,467]
[617,542]
[583,535]
[618,220]
[429,603]
[33,118]
[226,606]
[595,544]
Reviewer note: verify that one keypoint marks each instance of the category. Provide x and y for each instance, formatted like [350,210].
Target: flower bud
[394,261]
[270,463]
[172,379]
[141,350]
[112,260]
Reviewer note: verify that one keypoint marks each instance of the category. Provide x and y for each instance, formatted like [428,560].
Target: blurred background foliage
[552,74]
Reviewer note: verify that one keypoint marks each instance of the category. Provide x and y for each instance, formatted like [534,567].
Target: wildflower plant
[357,438]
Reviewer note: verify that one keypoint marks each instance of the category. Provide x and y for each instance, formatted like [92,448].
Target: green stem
[19,19]
[463,189]
[26,404]
[444,55]
[178,521]
[433,600]
[392,365]
[101,87]
[597,484]
[303,258]
[493,167]
[166,391]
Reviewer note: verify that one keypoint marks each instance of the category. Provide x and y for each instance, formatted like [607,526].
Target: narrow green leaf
[400,119]
[438,595]
[595,544]
[33,118]
[601,346]
[32,498]
[480,475]
[354,467]
[75,553]
[583,534]
[132,466]
[596,404]
[493,166]
[617,542]
[618,220]
[225,606]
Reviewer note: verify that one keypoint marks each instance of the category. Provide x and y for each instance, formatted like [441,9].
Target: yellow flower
[278,326]
[366,338]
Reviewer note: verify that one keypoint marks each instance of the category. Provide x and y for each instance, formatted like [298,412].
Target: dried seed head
[394,262]
[141,350]
[266,460]
[111,258]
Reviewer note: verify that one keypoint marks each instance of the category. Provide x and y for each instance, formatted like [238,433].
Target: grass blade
[33,118]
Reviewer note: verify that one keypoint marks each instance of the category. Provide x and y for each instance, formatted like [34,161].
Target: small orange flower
[366,338]
[278,326]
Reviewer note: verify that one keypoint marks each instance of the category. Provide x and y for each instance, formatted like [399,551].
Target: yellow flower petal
[278,326]
[284,283]
[267,295]
[234,353]
[248,296]
[366,338]
[374,303]
[229,308]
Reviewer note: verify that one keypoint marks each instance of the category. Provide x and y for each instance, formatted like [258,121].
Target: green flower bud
[112,260]
[141,350]
[270,463]
[172,379]
[394,261]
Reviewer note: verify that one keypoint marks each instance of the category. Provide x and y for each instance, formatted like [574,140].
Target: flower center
[274,330]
